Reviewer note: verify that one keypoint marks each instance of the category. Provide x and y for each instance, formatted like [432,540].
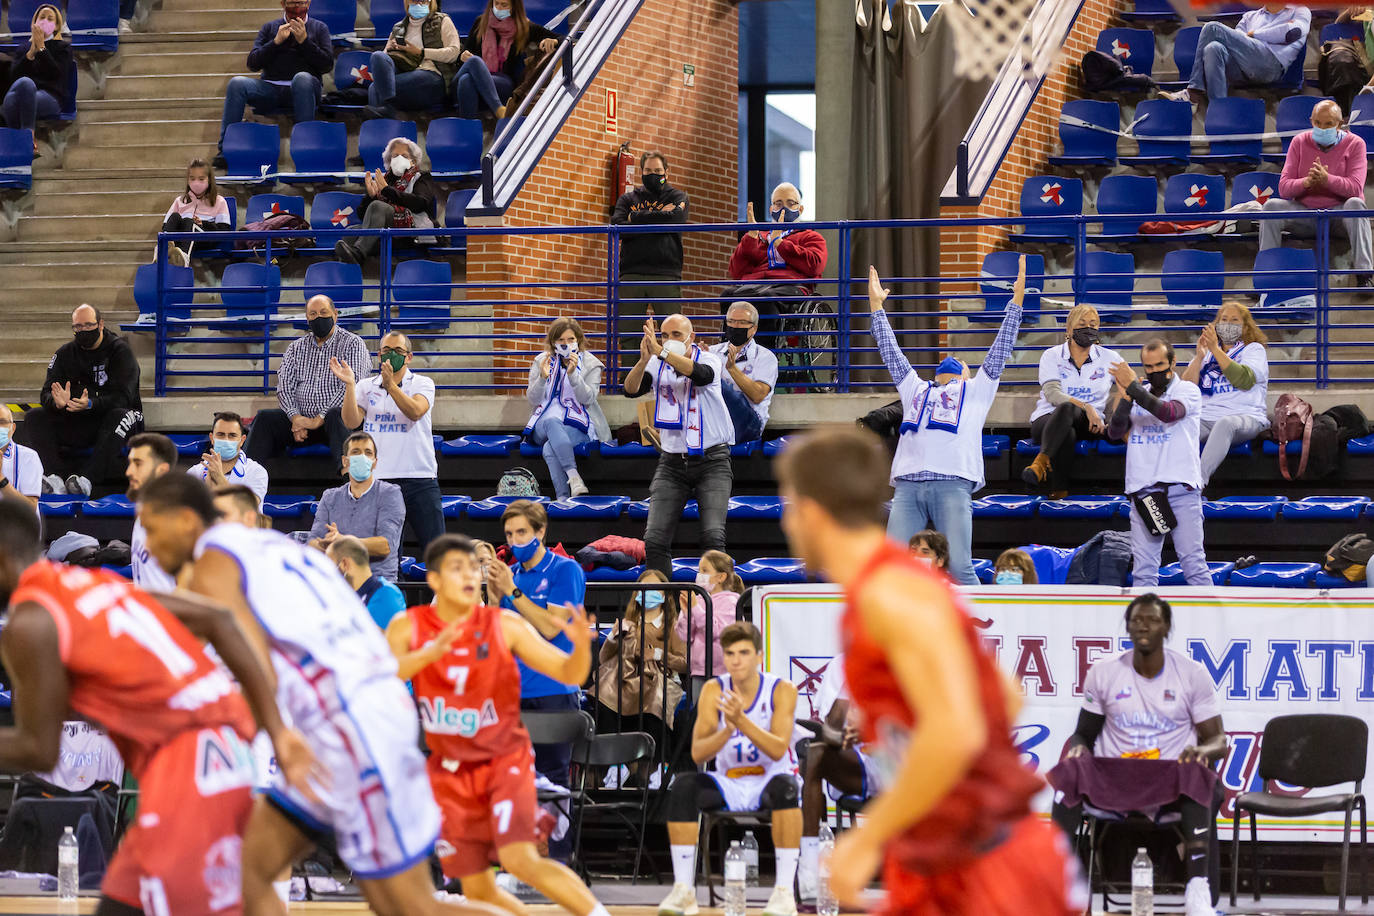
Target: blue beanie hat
[949,366]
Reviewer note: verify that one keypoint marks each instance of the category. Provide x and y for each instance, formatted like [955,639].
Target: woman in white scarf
[564,381]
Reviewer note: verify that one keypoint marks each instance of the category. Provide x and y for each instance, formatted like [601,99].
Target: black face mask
[87,339]
[321,326]
[655,184]
[1159,381]
[737,336]
[1086,337]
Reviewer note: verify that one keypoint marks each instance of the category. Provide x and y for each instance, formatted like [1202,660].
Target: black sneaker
[373,113]
[355,162]
[218,163]
[346,253]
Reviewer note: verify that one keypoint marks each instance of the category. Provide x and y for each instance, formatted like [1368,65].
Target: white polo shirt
[1222,399]
[1159,452]
[1091,384]
[717,428]
[405,447]
[756,362]
[23,467]
[245,472]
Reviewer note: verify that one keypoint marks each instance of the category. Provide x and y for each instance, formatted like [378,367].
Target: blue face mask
[226,449]
[784,215]
[1327,136]
[4,437]
[419,10]
[525,552]
[652,600]
[1008,577]
[359,467]
[500,14]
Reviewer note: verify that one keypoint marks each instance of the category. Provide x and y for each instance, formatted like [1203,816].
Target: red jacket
[803,252]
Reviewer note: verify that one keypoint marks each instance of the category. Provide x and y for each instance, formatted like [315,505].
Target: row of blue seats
[1187,197]
[760,571]
[1241,508]
[504,445]
[341,16]
[94,24]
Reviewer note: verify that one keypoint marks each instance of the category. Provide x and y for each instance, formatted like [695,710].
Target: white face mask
[399,165]
[675,347]
[565,350]
[704,580]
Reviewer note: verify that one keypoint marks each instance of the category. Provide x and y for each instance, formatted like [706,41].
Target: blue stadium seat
[411,569]
[341,282]
[774,447]
[318,450]
[287,506]
[20,21]
[374,135]
[1277,575]
[336,210]
[1191,193]
[1105,447]
[1172,574]
[180,283]
[1005,505]
[319,150]
[1335,31]
[1185,51]
[1325,508]
[999,271]
[755,507]
[417,285]
[984,570]
[1293,115]
[1270,447]
[480,446]
[994,446]
[1161,118]
[1051,563]
[1233,116]
[351,69]
[455,218]
[629,450]
[52,505]
[126,571]
[746,449]
[1326,580]
[1255,186]
[1287,277]
[610,574]
[493,506]
[259,289]
[68,112]
[264,206]
[1135,48]
[1247,508]
[1292,77]
[543,11]
[454,146]
[1085,146]
[1362,121]
[386,13]
[190,445]
[639,509]
[589,507]
[117,506]
[529,450]
[340,15]
[1225,12]
[771,571]
[1107,282]
[1151,11]
[1027,447]
[251,151]
[453,506]
[1050,195]
[1136,195]
[1085,507]
[16,158]
[94,24]
[1193,284]
[1361,446]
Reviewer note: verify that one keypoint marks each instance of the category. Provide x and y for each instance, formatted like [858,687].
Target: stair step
[77,181]
[59,301]
[84,203]
[93,228]
[159,62]
[60,272]
[247,21]
[115,133]
[165,87]
[92,156]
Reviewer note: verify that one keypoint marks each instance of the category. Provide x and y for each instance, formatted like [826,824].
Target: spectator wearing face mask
[1014,567]
[1231,369]
[310,395]
[415,68]
[1075,380]
[293,53]
[21,470]
[777,262]
[751,372]
[649,257]
[1163,470]
[1324,170]
[225,463]
[932,547]
[493,57]
[371,510]
[563,386]
[715,573]
[199,208]
[402,197]
[40,72]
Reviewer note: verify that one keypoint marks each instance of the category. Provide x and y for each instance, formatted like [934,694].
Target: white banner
[1270,652]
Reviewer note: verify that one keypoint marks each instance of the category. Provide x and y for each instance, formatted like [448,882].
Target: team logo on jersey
[439,718]
[483,651]
[443,849]
[1168,696]
[223,872]
[1123,694]
[224,761]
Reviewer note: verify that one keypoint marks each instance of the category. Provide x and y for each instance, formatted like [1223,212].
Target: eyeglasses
[88,326]
[390,351]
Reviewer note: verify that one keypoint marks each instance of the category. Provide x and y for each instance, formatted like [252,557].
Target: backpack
[273,223]
[518,482]
[1102,72]
[1292,421]
[1349,557]
[1350,421]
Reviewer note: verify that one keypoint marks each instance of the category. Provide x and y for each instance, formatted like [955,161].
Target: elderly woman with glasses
[400,195]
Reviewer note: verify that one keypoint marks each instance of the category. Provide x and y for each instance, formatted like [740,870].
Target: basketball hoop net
[993,34]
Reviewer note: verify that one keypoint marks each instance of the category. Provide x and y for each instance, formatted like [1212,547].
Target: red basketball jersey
[133,668]
[470,698]
[995,792]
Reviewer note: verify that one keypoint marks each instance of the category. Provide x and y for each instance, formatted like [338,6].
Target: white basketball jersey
[740,758]
[148,575]
[325,646]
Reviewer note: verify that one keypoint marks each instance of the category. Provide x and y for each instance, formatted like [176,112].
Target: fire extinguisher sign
[611,114]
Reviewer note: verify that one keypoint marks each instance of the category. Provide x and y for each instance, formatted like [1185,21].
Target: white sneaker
[78,486]
[446,897]
[125,26]
[53,484]
[177,257]
[1197,898]
[781,903]
[1181,95]
[575,485]
[514,886]
[681,901]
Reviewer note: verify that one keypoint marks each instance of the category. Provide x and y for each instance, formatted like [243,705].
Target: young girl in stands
[41,72]
[715,573]
[199,208]
[563,385]
[493,57]
[1231,367]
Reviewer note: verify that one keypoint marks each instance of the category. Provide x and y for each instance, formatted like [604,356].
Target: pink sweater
[722,615]
[1345,165]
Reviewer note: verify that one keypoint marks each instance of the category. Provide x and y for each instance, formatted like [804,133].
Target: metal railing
[478,335]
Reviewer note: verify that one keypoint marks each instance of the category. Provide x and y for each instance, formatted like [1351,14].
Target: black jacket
[50,68]
[515,60]
[653,253]
[421,199]
[285,60]
[109,374]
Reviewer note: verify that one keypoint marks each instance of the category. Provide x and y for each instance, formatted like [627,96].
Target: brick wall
[961,252]
[696,127]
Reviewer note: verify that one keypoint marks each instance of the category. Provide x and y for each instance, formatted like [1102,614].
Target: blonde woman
[1231,367]
[715,573]
[564,382]
[40,72]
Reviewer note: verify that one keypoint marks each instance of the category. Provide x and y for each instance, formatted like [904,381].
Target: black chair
[1097,825]
[713,821]
[569,726]
[844,805]
[623,749]
[1314,751]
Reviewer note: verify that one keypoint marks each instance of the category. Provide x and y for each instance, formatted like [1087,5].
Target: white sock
[684,864]
[787,867]
[283,889]
[810,856]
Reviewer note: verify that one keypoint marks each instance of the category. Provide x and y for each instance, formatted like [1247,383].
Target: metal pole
[267,318]
[1323,299]
[843,309]
[160,313]
[612,378]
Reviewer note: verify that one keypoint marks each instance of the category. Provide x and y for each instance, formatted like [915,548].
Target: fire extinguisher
[622,173]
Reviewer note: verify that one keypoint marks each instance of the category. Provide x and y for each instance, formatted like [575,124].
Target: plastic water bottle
[68,868]
[1142,884]
[735,871]
[826,902]
[751,859]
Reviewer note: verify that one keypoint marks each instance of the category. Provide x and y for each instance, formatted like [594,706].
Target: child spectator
[715,573]
[932,547]
[1014,567]
[493,57]
[199,207]
[564,381]
[40,72]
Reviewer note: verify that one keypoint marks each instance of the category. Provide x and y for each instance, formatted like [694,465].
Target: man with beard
[150,456]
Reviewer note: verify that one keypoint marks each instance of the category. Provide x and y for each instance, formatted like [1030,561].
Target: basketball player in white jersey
[336,678]
[150,456]
[745,720]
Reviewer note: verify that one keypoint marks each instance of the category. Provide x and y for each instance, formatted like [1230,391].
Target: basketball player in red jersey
[953,831]
[459,656]
[91,641]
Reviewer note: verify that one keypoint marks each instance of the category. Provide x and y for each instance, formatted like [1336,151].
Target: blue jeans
[415,90]
[558,440]
[475,87]
[748,423]
[947,507]
[424,510]
[127,8]
[25,103]
[1227,57]
[267,98]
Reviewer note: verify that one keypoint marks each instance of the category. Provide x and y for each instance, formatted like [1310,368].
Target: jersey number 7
[458,674]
